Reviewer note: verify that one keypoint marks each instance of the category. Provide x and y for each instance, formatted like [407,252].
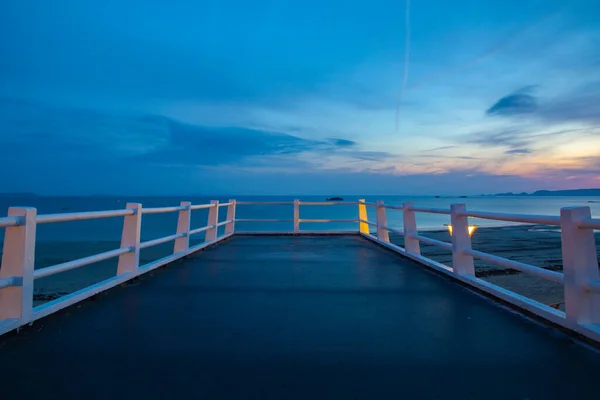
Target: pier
[298,314]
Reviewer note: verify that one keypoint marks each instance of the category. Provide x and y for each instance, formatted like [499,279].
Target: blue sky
[299,97]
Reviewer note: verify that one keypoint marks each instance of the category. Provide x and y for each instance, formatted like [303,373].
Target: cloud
[580,104]
[519,151]
[442,148]
[520,102]
[343,142]
[509,137]
[521,139]
[82,137]
[370,155]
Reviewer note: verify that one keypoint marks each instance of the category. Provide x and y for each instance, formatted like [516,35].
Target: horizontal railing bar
[11,221]
[267,203]
[433,242]
[204,228]
[225,204]
[264,220]
[201,206]
[393,207]
[49,218]
[369,204]
[208,243]
[396,231]
[160,210]
[161,240]
[328,203]
[327,220]
[10,281]
[430,210]
[69,265]
[224,222]
[589,223]
[292,233]
[530,219]
[364,221]
[519,266]
[592,286]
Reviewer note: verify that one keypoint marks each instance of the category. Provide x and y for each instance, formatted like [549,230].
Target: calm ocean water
[158,225]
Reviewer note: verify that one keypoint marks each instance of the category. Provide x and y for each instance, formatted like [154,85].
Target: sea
[158,225]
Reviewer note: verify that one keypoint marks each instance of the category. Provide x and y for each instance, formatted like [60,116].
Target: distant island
[574,192]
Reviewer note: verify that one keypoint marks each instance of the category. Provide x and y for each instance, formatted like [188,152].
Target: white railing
[18,274]
[580,276]
[296,220]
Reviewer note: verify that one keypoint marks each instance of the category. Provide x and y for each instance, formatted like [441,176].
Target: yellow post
[362,216]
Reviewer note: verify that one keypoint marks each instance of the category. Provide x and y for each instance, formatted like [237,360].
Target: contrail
[406,63]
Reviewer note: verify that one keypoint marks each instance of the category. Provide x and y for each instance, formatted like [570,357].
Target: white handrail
[160,210]
[224,204]
[69,265]
[433,242]
[524,218]
[203,229]
[263,220]
[11,221]
[201,206]
[327,220]
[224,223]
[328,203]
[519,266]
[80,216]
[9,282]
[593,286]
[161,240]
[267,203]
[366,222]
[589,223]
[396,231]
[393,207]
[430,210]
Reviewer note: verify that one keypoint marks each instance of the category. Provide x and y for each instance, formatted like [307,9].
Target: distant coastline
[541,193]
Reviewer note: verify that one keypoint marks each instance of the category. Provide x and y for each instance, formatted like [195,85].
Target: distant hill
[574,192]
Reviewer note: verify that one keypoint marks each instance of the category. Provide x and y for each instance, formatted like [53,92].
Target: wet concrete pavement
[294,317]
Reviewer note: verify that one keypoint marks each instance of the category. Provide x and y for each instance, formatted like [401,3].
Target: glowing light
[471,229]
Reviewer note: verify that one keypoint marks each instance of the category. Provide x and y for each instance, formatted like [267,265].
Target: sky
[299,96]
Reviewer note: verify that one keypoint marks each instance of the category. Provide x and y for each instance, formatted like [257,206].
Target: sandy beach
[535,245]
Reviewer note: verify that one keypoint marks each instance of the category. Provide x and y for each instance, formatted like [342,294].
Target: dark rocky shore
[537,245]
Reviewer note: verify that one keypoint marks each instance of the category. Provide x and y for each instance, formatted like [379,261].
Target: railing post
[296,216]
[462,263]
[382,233]
[411,245]
[362,215]
[580,266]
[213,220]
[18,259]
[132,230]
[230,228]
[183,226]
